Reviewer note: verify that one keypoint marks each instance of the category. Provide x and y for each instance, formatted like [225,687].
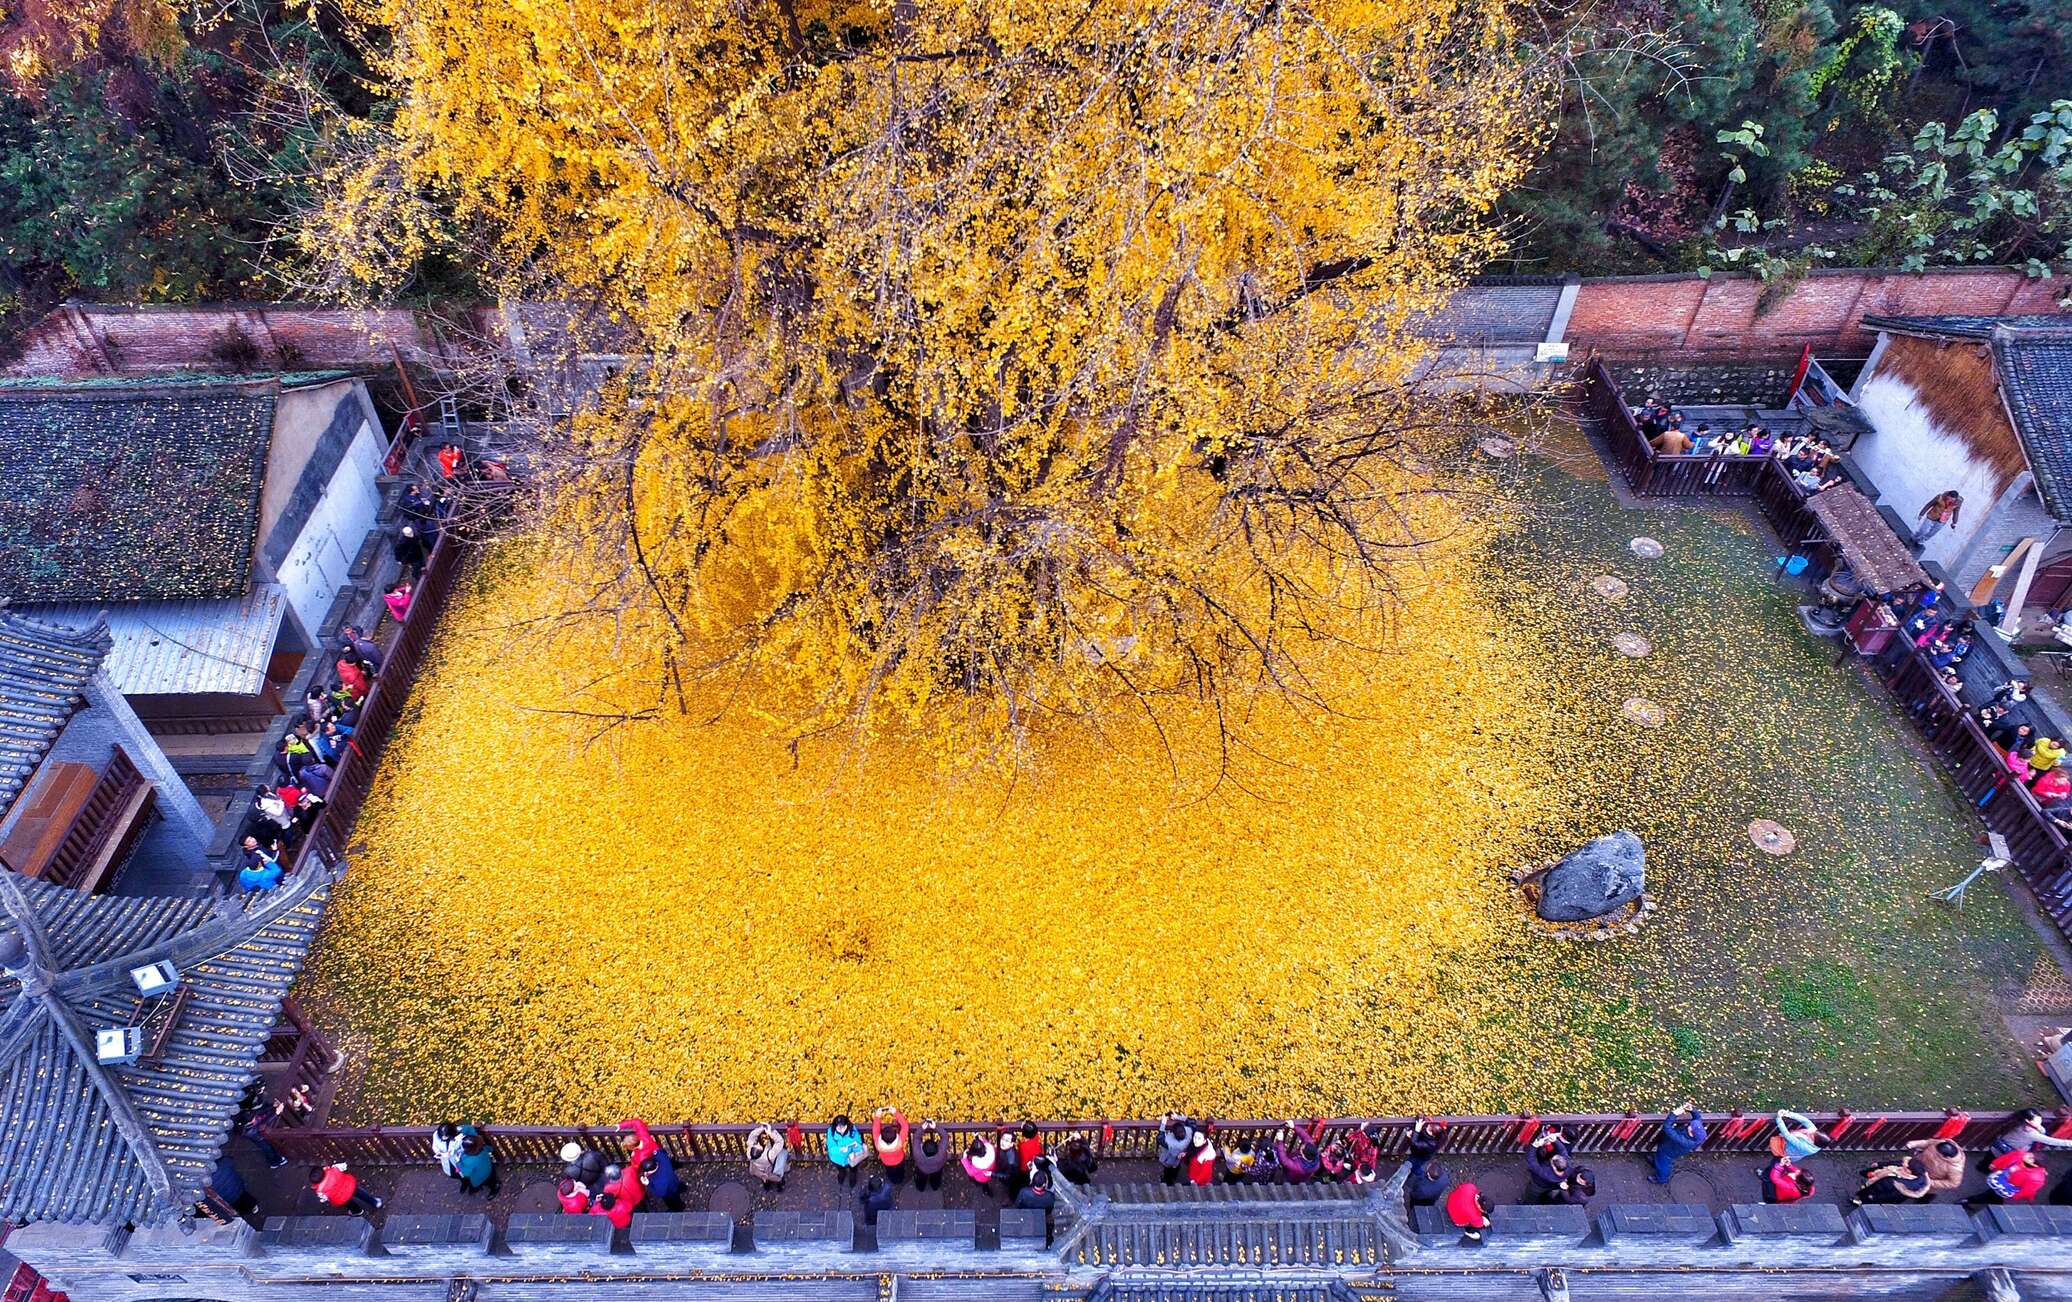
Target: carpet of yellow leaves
[681,921]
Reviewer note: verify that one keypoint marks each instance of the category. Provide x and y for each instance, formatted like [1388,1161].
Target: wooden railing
[1732,1133]
[400,665]
[95,839]
[1979,769]
[296,1054]
[327,838]
[2038,848]
[1651,474]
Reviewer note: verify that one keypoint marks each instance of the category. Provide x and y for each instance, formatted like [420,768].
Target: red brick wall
[1654,317]
[1636,318]
[87,339]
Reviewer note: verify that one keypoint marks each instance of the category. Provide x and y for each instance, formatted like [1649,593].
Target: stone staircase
[1278,1227]
[1282,1288]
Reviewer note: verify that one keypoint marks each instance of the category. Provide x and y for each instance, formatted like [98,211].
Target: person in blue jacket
[262,866]
[663,1184]
[1682,1132]
[474,1165]
[844,1149]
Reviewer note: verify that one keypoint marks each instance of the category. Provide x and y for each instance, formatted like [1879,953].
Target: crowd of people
[1807,458]
[306,759]
[1017,1166]
[590,1185]
[2033,759]
[1926,1169]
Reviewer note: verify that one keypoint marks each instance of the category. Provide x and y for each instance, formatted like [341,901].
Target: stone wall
[1654,317]
[1702,382]
[317,1257]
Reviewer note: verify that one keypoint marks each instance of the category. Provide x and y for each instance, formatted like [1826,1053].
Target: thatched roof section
[1954,382]
[1875,554]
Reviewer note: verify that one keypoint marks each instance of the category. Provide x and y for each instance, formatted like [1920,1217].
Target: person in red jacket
[1030,1146]
[889,1138]
[644,1145]
[575,1199]
[352,678]
[341,1188]
[1201,1159]
[2015,1177]
[1785,1181]
[1468,1209]
[622,1193]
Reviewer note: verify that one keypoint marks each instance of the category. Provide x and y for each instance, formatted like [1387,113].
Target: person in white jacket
[446,1148]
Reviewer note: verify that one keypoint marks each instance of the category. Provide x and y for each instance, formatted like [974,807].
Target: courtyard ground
[1826,977]
[1347,944]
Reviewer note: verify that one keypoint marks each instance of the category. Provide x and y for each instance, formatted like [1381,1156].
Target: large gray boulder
[1605,875]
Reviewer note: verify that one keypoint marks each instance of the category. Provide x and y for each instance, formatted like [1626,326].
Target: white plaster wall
[1911,459]
[316,568]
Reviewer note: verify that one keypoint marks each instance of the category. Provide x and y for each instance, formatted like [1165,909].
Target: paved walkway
[1715,1180]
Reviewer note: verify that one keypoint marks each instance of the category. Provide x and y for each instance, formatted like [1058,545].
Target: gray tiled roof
[83,1142]
[43,668]
[1132,1197]
[2035,368]
[131,493]
[1492,314]
[1233,1228]
[1963,327]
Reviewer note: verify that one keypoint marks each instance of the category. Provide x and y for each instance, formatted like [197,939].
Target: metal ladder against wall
[449,418]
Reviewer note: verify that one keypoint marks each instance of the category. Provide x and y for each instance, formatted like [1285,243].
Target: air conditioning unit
[116,1045]
[155,978]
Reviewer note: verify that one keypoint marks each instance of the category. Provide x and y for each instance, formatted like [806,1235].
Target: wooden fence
[1125,1140]
[296,1054]
[1979,769]
[1649,473]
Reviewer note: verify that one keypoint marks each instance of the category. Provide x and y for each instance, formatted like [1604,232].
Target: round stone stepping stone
[1611,589]
[1771,837]
[1498,447]
[1632,644]
[1640,710]
[1646,548]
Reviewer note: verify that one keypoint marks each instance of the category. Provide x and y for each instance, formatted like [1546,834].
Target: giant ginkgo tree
[992,358]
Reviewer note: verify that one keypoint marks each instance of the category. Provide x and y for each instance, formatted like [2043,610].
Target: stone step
[1237,1241]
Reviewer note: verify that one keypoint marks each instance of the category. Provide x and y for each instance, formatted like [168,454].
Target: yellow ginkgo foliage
[553,917]
[985,362]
